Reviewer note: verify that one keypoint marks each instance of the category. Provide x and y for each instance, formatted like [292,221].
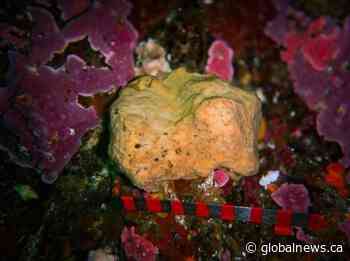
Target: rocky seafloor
[63,64]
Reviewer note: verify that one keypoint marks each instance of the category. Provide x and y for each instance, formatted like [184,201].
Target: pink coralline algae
[223,181]
[318,48]
[41,104]
[109,34]
[137,247]
[317,54]
[221,178]
[320,51]
[46,38]
[220,60]
[293,197]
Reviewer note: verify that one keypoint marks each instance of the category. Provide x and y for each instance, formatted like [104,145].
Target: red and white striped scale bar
[283,220]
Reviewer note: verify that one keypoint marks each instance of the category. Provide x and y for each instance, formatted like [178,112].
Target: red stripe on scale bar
[177,207]
[154,205]
[227,212]
[256,215]
[128,203]
[283,225]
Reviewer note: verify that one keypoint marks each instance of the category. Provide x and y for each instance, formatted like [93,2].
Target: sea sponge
[183,127]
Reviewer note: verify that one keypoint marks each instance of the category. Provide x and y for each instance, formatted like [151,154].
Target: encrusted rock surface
[183,127]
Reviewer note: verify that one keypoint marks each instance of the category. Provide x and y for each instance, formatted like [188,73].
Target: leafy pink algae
[318,48]
[294,197]
[46,38]
[137,247]
[42,108]
[317,54]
